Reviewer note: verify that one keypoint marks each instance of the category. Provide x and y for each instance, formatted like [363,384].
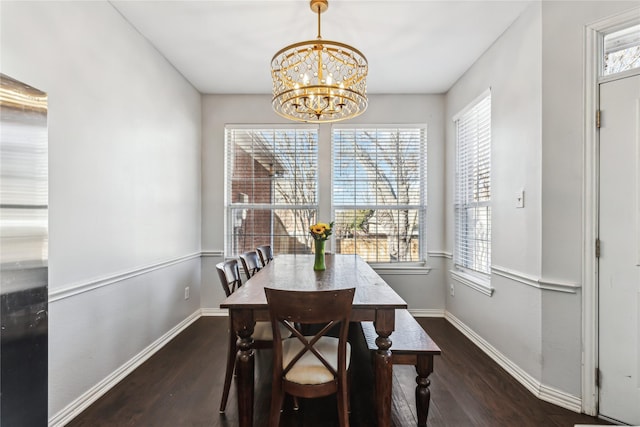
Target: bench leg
[424,367]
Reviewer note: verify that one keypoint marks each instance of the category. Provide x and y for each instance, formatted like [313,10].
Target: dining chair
[229,275]
[313,365]
[266,254]
[250,263]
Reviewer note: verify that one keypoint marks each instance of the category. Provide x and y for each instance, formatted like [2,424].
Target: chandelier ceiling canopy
[319,80]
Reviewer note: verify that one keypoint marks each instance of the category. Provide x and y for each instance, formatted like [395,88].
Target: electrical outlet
[452,290]
[186,293]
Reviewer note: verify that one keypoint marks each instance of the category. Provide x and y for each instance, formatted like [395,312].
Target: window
[271,188]
[622,50]
[473,188]
[379,192]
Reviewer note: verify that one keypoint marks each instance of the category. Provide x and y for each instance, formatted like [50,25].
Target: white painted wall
[128,172]
[510,319]
[421,291]
[124,185]
[563,150]
[535,70]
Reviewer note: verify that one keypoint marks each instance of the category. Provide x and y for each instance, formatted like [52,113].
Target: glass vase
[318,263]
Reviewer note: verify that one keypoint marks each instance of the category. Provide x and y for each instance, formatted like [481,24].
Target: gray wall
[563,153]
[423,291]
[535,70]
[124,162]
[510,319]
[137,168]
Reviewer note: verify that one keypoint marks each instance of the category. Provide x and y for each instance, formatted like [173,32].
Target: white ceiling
[419,46]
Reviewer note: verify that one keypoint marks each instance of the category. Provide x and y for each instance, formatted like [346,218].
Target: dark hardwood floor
[181,386]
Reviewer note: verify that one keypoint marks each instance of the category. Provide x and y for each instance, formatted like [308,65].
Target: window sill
[412,269]
[474,282]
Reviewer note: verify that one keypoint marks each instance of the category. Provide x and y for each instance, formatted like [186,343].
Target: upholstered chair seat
[229,274]
[309,369]
[310,366]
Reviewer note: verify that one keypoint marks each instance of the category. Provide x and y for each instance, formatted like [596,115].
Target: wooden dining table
[374,300]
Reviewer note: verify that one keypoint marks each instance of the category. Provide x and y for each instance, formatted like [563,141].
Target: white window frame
[478,278]
[231,205]
[421,207]
[617,40]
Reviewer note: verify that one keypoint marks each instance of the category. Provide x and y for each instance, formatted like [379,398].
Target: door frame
[594,41]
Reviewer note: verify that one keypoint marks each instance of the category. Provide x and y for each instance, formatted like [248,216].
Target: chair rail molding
[534,281]
[213,253]
[90,285]
[440,254]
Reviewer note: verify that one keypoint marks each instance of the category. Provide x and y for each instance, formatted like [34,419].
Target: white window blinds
[473,188]
[379,192]
[271,188]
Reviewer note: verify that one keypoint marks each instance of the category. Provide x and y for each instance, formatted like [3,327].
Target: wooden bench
[411,345]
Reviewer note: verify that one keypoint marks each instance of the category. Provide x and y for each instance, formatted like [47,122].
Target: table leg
[424,367]
[383,365]
[245,366]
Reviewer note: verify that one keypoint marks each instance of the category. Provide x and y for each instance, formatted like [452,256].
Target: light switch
[520,198]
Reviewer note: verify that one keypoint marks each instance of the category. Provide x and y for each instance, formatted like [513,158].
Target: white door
[619,263]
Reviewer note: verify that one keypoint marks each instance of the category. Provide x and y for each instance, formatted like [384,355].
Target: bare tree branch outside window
[272,180]
[379,192]
[622,50]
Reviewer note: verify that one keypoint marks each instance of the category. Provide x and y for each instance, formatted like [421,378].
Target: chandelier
[319,80]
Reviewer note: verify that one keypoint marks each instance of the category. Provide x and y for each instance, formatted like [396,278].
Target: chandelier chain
[319,12]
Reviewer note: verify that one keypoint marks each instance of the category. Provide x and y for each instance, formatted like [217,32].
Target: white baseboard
[560,398]
[539,390]
[94,393]
[215,312]
[433,312]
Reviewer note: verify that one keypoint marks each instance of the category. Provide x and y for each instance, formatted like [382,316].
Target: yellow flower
[317,229]
[321,230]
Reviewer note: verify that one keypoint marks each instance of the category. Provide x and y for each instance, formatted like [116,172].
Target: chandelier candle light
[318,80]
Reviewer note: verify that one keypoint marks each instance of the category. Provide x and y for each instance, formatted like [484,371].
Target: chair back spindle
[250,263]
[310,365]
[229,275]
[266,254]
